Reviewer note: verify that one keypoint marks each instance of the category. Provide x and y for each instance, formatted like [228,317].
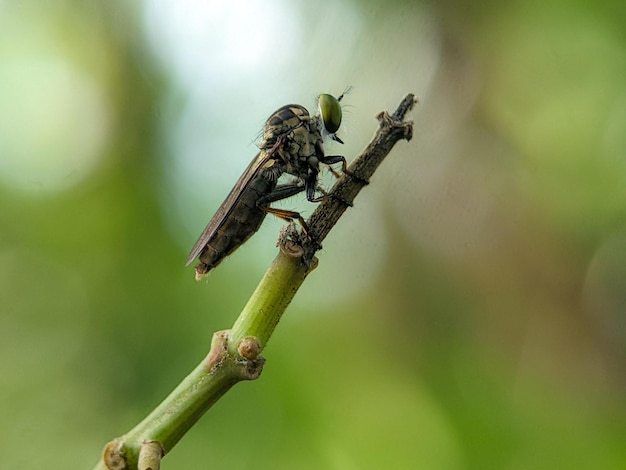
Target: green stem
[220,370]
[235,354]
[169,421]
[269,301]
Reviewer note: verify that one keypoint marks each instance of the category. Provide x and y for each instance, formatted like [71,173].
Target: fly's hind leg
[289,216]
[282,192]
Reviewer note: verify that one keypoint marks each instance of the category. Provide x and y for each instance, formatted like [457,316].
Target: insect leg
[281,192]
[332,159]
[311,188]
[325,195]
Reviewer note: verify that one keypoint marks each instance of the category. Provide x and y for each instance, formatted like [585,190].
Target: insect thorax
[283,121]
[301,138]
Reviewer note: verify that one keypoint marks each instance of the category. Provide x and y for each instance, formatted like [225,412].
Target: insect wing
[227,206]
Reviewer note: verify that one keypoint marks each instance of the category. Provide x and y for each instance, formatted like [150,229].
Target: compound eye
[330,110]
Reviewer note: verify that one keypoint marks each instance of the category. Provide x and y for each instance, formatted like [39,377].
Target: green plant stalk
[220,370]
[235,353]
[268,302]
[170,420]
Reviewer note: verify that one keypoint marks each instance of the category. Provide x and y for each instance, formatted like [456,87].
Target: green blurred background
[468,313]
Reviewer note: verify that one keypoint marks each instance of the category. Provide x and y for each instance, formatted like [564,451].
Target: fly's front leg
[332,159]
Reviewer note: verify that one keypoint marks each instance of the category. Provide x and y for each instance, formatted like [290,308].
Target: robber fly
[292,143]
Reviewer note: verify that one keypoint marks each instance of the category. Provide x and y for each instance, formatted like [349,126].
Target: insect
[292,143]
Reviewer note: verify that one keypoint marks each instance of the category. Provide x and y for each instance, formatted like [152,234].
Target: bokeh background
[468,313]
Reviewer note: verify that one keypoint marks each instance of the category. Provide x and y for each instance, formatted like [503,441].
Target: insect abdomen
[242,222]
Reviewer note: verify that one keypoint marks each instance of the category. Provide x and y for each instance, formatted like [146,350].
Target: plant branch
[391,129]
[235,354]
